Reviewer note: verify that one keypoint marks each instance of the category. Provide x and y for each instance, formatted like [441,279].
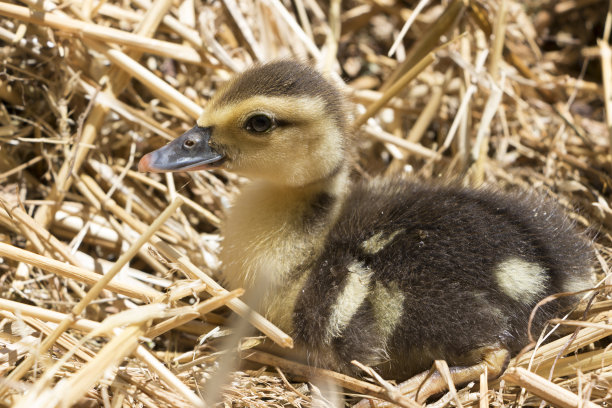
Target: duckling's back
[411,273]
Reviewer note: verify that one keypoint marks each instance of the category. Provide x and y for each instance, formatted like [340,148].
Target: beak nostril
[189,143]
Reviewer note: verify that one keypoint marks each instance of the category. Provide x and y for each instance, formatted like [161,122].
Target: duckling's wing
[419,273]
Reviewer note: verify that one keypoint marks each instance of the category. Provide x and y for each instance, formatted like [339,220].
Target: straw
[24,366]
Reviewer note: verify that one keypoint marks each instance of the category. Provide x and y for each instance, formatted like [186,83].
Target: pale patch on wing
[350,298]
[521,280]
[578,283]
[388,304]
[491,310]
[376,242]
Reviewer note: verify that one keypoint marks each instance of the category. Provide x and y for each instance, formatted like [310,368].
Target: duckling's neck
[272,230]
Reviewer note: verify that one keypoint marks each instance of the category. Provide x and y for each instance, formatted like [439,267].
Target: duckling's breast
[271,240]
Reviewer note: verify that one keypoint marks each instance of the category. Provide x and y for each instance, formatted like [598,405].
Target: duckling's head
[281,122]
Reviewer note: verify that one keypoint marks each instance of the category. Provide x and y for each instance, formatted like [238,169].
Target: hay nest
[510,93]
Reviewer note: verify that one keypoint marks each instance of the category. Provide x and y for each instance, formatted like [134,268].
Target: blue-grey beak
[189,152]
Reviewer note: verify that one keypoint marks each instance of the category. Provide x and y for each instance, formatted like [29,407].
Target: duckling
[393,273]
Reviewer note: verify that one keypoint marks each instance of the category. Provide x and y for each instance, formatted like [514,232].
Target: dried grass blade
[444,371]
[149,24]
[429,112]
[117,80]
[87,326]
[168,376]
[46,315]
[463,107]
[213,219]
[128,112]
[187,33]
[156,85]
[429,40]
[578,323]
[484,389]
[572,364]
[105,34]
[606,73]
[406,26]
[498,40]
[394,89]
[288,18]
[232,7]
[393,392]
[303,17]
[307,372]
[414,148]
[73,272]
[23,166]
[68,392]
[198,310]
[481,145]
[93,293]
[549,351]
[545,389]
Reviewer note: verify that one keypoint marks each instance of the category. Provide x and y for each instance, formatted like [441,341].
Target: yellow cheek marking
[376,242]
[388,303]
[349,300]
[521,280]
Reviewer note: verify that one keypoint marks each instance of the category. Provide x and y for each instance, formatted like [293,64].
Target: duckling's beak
[188,152]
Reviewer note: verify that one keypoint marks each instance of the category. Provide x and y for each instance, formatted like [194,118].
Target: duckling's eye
[260,123]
